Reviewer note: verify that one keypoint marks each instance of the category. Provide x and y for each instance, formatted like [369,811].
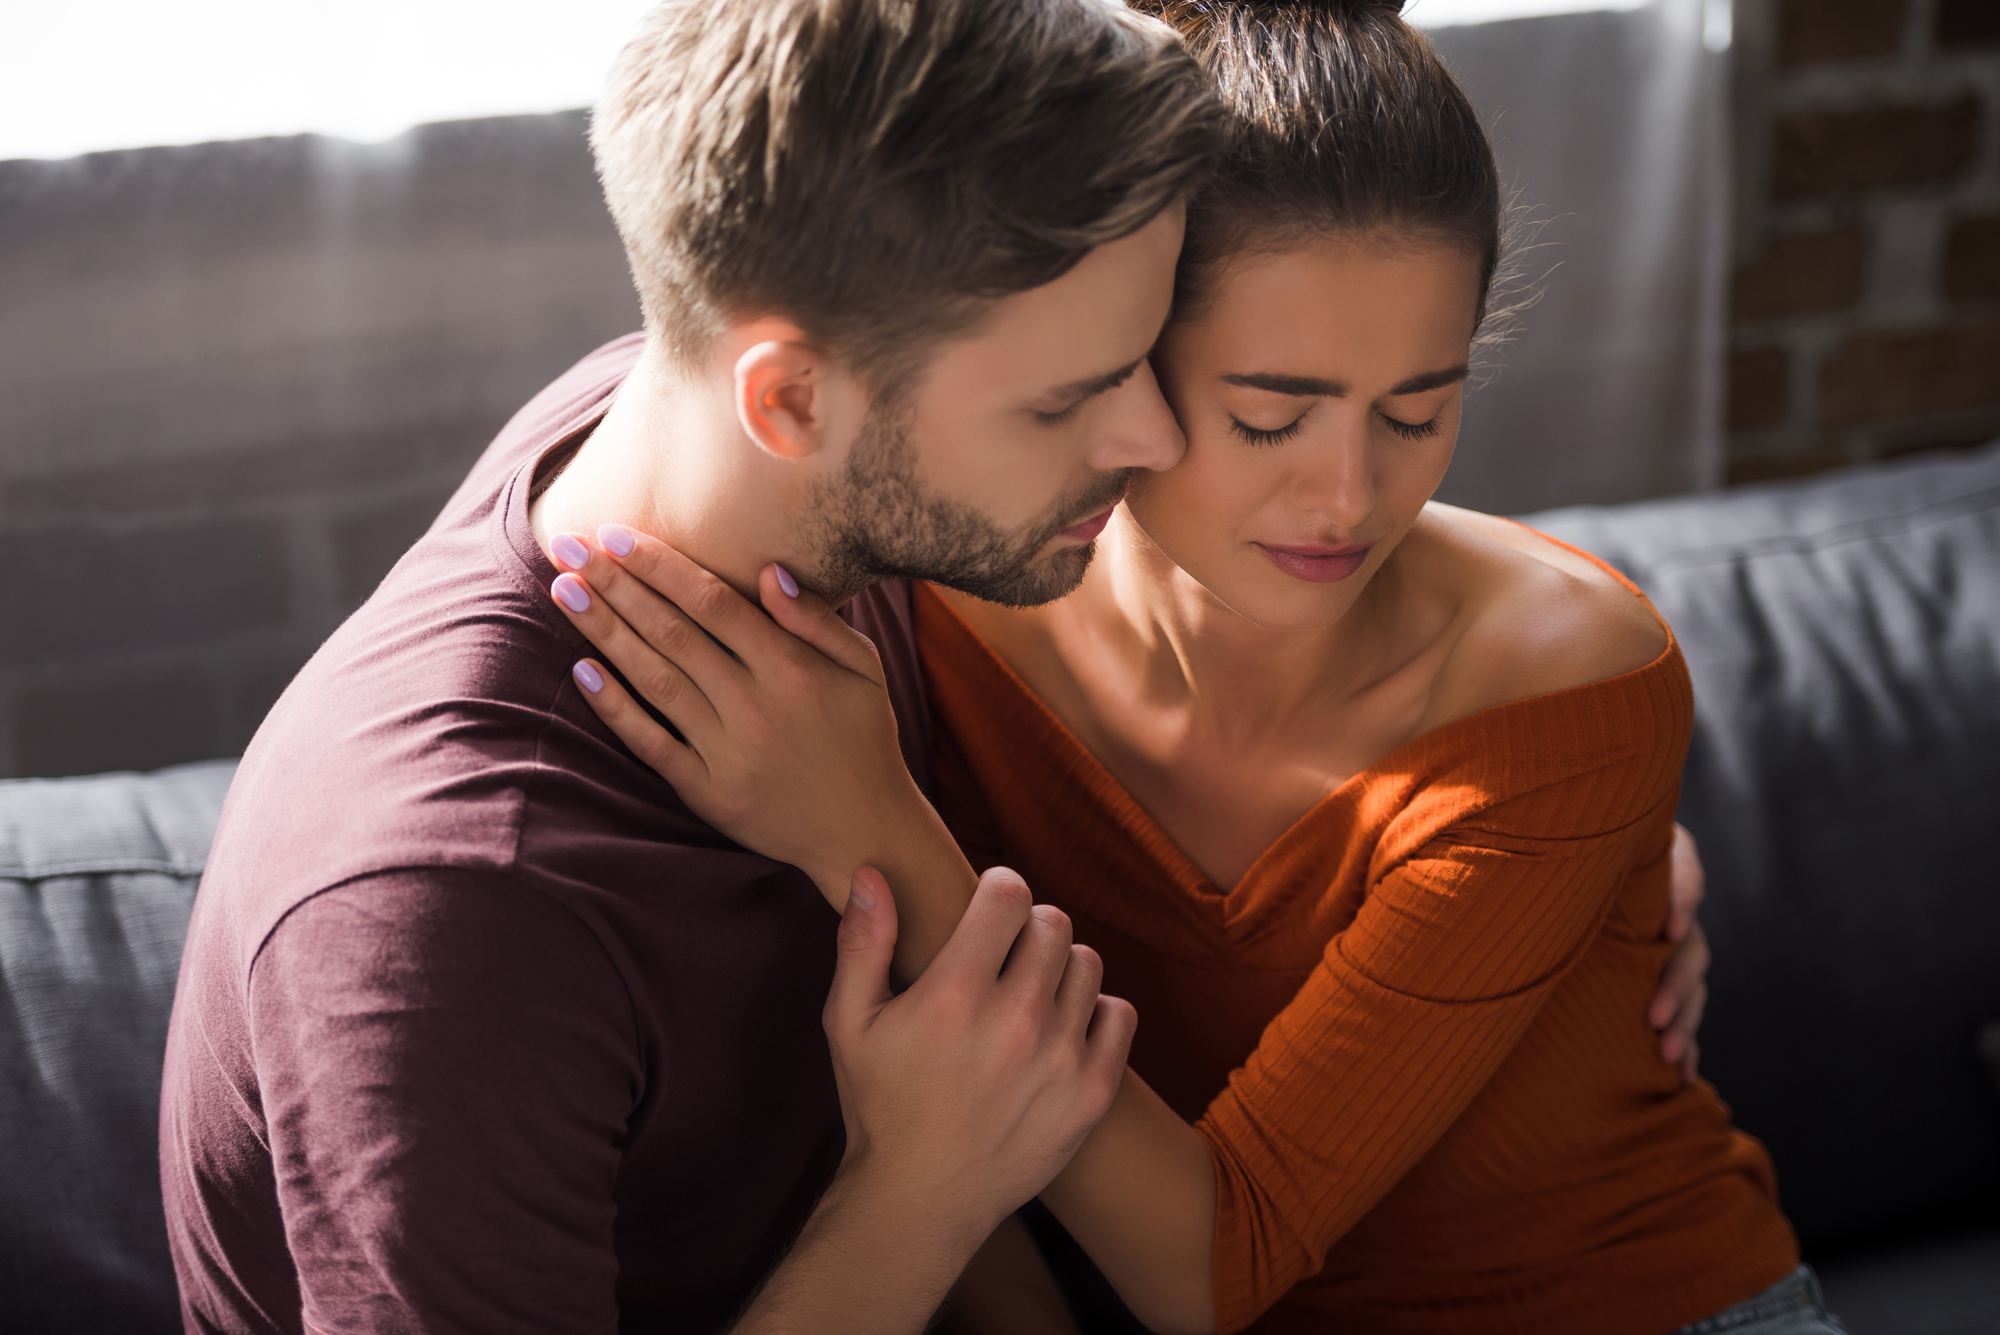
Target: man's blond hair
[875,169]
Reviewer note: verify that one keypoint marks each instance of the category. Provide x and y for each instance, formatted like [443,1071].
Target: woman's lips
[1317,565]
[1090,527]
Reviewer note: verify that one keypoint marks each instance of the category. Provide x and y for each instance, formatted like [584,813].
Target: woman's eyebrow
[1429,380]
[1300,386]
[1305,386]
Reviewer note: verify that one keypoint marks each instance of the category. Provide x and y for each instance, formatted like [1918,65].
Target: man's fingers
[1687,1020]
[867,944]
[1677,1034]
[1685,972]
[1113,1022]
[1677,1008]
[1041,954]
[672,759]
[1688,883]
[808,616]
[1690,1064]
[986,933]
[1076,994]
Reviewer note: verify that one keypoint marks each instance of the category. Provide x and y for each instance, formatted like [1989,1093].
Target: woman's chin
[1273,601]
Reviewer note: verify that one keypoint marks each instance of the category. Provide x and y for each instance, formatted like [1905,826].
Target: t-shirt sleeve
[1408,1014]
[446,1062]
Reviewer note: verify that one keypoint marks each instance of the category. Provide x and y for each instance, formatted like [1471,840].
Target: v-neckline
[1132,816]
[1143,829]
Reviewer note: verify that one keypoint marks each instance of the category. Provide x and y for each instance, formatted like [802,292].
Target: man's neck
[669,460]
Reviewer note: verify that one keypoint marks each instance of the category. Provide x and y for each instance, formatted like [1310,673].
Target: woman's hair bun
[1340,9]
[1194,18]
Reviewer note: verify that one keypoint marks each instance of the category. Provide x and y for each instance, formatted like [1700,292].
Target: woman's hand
[1677,1006]
[787,740]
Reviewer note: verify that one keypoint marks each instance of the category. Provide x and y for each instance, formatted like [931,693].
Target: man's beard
[876,521]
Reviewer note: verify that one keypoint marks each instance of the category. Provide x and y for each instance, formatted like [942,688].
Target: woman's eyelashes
[1412,430]
[1242,430]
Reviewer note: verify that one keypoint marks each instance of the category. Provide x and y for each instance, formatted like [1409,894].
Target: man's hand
[963,1097]
[978,1083]
[1677,1006]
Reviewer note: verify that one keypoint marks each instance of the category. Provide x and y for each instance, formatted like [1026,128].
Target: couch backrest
[1844,785]
[96,879]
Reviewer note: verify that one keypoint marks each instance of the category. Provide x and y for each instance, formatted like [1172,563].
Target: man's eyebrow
[1079,390]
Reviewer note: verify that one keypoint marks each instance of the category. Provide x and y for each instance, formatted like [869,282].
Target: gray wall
[236,382]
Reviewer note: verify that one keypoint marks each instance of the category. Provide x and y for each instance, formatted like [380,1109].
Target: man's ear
[792,399]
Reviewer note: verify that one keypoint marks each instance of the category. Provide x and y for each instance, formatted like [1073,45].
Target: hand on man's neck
[671,458]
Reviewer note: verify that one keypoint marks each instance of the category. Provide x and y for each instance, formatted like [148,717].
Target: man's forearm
[870,1261]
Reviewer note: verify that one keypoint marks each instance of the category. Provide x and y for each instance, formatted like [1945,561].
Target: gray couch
[1845,641]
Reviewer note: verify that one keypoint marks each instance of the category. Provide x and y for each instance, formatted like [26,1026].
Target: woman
[1366,802]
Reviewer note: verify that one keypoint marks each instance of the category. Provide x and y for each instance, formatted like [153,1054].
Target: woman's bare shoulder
[1534,618]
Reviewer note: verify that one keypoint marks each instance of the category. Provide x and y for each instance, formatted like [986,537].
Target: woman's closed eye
[1242,430]
[1412,430]
[1279,435]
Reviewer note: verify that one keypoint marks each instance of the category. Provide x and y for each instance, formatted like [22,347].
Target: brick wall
[240,379]
[1865,306]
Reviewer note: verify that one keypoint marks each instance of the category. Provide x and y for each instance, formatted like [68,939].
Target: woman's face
[1320,394]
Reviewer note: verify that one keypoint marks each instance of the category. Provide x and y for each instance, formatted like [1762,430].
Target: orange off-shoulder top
[1413,1035]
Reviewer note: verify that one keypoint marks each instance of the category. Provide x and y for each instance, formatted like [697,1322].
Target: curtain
[1612,130]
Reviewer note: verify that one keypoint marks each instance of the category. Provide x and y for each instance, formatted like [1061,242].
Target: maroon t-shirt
[479,1028]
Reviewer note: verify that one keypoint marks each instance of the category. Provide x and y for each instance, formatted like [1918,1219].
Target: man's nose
[1138,429]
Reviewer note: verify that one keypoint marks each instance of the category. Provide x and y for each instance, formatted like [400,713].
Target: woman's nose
[1334,478]
[1137,429]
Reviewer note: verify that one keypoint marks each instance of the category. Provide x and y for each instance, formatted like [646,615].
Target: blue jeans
[1792,1306]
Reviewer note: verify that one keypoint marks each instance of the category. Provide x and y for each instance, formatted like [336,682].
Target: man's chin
[1045,580]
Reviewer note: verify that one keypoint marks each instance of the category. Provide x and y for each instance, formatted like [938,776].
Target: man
[478,1027]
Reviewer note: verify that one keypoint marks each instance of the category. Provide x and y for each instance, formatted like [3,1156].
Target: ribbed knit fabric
[1413,1035]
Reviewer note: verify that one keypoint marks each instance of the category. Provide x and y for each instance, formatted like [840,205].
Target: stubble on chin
[877,521]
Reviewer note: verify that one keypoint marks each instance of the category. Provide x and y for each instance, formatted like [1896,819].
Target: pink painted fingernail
[570,589]
[617,539]
[570,551]
[786,582]
[586,677]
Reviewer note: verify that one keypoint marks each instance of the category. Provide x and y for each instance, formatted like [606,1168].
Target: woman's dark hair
[1342,118]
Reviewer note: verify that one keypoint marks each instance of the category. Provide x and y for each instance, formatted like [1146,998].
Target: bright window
[78,77]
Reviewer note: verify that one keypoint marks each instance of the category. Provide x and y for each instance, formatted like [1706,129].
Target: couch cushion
[1844,637]
[96,879]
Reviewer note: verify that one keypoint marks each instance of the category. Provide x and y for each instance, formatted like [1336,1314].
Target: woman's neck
[1184,647]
